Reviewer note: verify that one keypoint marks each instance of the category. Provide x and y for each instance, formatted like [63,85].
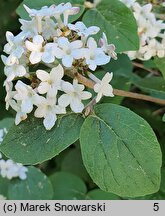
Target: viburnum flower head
[150,30]
[39,60]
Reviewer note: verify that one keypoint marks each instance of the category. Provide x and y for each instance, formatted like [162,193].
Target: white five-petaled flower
[70,51]
[25,95]
[94,56]
[40,52]
[14,47]
[74,95]
[13,71]
[50,82]
[48,109]
[10,93]
[82,30]
[103,87]
[66,10]
[20,116]
[108,48]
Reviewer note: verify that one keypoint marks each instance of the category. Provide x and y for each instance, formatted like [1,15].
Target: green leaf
[6,123]
[160,63]
[120,151]
[4,184]
[155,86]
[122,66]
[117,21]
[69,165]
[31,143]
[162,185]
[98,194]
[37,4]
[67,186]
[36,187]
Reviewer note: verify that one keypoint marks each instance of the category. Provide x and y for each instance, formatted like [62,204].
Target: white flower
[50,82]
[14,47]
[71,51]
[40,52]
[10,93]
[14,71]
[49,29]
[82,30]
[103,87]
[29,28]
[43,12]
[48,110]
[20,116]
[26,95]
[69,10]
[9,169]
[66,10]
[95,56]
[149,30]
[108,48]
[74,95]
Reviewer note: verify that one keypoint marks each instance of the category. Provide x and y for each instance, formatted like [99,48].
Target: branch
[136,64]
[90,84]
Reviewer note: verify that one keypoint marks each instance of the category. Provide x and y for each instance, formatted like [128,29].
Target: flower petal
[26,106]
[63,43]
[38,39]
[64,100]
[76,44]
[49,121]
[43,75]
[76,105]
[43,88]
[67,87]
[67,61]
[85,95]
[35,57]
[57,73]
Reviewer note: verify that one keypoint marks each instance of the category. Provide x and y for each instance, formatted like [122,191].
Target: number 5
[156,207]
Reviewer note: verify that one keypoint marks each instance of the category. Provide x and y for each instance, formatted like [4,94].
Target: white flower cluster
[151,32]
[9,169]
[39,56]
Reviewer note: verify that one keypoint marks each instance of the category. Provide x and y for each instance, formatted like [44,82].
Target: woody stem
[90,84]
